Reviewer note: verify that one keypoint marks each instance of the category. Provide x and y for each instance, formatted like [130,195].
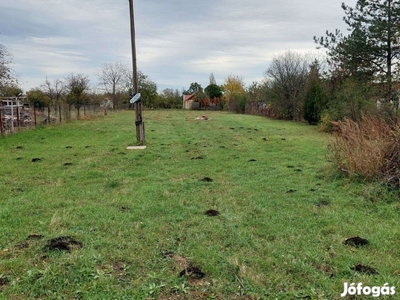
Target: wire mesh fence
[19,117]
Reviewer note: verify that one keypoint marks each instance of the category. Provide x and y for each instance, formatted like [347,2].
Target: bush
[314,102]
[326,123]
[350,99]
[370,148]
[238,103]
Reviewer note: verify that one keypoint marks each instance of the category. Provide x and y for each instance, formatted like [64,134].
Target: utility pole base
[135,147]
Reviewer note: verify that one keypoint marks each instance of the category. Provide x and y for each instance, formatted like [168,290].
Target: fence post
[18,117]
[1,122]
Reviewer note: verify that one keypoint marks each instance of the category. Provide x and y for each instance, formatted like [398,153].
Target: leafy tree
[11,90]
[233,89]
[351,99]
[257,97]
[38,98]
[238,103]
[194,88]
[169,98]
[202,98]
[146,87]
[315,96]
[213,91]
[256,92]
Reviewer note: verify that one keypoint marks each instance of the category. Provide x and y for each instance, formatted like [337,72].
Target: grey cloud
[178,41]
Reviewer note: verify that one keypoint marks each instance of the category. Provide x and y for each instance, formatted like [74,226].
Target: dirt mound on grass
[356,241]
[192,272]
[207,179]
[4,281]
[62,243]
[212,213]
[364,269]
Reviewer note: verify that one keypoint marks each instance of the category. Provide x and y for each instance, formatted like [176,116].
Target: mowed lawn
[132,224]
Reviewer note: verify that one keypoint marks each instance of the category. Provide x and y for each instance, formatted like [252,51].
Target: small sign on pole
[135,98]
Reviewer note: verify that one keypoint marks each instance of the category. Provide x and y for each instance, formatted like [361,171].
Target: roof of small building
[188,97]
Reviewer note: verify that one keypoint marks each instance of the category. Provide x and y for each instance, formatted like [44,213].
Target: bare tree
[6,77]
[113,79]
[76,85]
[287,76]
[54,91]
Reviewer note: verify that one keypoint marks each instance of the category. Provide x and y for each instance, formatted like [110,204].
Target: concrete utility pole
[136,96]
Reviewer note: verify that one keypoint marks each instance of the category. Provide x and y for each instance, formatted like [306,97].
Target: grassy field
[135,221]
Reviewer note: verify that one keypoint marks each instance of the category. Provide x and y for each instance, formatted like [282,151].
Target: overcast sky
[178,41]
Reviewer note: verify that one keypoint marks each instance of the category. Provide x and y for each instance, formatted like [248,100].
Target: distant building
[188,101]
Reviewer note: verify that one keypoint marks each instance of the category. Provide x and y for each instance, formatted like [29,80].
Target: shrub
[370,148]
[326,123]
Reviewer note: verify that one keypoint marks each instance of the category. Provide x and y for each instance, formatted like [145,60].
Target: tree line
[358,75]
[75,90]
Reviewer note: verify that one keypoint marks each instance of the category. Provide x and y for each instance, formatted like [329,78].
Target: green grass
[140,214]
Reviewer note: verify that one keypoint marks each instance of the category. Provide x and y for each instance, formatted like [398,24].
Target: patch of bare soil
[212,213]
[62,243]
[356,241]
[4,281]
[323,203]
[192,272]
[183,264]
[207,179]
[124,208]
[359,268]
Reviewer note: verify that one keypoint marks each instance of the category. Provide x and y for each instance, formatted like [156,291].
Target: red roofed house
[188,101]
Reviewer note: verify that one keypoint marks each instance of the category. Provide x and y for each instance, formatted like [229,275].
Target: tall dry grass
[370,148]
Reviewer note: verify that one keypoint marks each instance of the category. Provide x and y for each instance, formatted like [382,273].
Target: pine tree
[371,51]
